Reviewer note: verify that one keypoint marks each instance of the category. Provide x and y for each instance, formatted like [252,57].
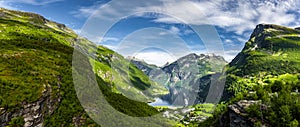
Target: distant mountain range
[183,77]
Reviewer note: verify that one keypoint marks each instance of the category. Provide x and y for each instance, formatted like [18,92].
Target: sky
[160,31]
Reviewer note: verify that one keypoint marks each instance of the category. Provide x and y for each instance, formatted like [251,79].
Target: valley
[184,76]
[39,77]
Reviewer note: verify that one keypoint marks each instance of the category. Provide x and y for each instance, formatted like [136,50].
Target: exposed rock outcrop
[33,113]
[237,116]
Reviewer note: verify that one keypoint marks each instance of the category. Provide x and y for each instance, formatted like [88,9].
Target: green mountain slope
[271,51]
[262,82]
[125,76]
[36,82]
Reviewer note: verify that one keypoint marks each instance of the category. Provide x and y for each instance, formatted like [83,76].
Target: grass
[127,78]
[29,64]
[36,55]
[271,73]
[16,122]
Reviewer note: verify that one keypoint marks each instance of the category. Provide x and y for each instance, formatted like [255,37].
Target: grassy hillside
[33,58]
[271,51]
[124,76]
[36,69]
[267,71]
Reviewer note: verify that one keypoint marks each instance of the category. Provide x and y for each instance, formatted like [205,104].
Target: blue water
[159,102]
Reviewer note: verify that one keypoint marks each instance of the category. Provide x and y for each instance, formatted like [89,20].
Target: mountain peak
[34,19]
[260,37]
[260,28]
[268,39]
[192,55]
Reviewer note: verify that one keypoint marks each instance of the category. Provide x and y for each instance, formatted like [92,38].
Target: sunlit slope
[271,51]
[264,77]
[36,69]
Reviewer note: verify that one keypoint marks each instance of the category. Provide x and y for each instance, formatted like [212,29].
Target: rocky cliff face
[237,116]
[33,113]
[184,77]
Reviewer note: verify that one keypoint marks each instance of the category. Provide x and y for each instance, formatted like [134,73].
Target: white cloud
[109,39]
[241,38]
[94,39]
[86,11]
[77,31]
[242,17]
[98,39]
[38,2]
[32,2]
[162,33]
[187,32]
[228,41]
[139,42]
[230,54]
[11,4]
[175,30]
[239,17]
[178,31]
[152,38]
[156,57]
[236,16]
[7,5]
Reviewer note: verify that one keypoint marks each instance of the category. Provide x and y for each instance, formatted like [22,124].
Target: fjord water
[159,102]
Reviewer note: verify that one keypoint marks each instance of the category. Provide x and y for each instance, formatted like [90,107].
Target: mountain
[183,77]
[38,89]
[142,65]
[262,81]
[36,82]
[271,51]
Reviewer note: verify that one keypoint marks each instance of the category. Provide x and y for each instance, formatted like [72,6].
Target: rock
[27,105]
[260,28]
[27,110]
[2,14]
[28,124]
[36,116]
[39,125]
[35,108]
[237,115]
[33,113]
[2,110]
[28,118]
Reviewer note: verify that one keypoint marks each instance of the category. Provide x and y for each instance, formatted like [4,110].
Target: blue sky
[161,31]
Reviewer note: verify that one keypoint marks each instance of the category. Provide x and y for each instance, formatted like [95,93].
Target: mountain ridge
[36,82]
[182,77]
[262,80]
